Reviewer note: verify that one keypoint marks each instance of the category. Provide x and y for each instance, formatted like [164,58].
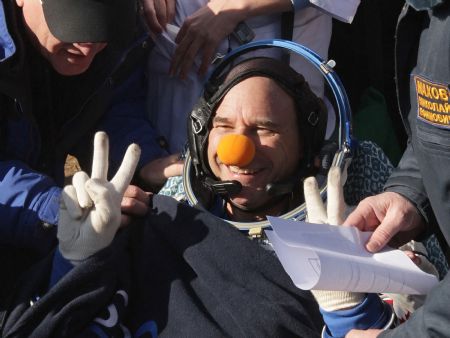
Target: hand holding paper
[327,257]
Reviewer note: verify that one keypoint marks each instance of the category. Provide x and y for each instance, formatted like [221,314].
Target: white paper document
[328,257]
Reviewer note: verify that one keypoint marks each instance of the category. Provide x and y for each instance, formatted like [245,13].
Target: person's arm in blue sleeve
[28,200]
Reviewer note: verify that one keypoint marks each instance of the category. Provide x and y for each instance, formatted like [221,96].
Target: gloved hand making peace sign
[90,208]
[359,310]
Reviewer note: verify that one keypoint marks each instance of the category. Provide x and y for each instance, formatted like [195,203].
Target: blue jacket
[44,117]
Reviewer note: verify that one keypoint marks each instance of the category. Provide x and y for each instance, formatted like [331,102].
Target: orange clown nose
[236,149]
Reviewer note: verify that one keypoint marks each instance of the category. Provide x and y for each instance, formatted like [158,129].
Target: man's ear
[20,3]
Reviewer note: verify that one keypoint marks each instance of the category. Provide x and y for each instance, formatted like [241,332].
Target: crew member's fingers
[135,201]
[314,204]
[363,217]
[78,181]
[412,256]
[383,233]
[165,11]
[133,207]
[182,32]
[187,62]
[148,8]
[161,12]
[171,10]
[208,54]
[335,197]
[122,178]
[133,191]
[184,57]
[183,41]
[100,159]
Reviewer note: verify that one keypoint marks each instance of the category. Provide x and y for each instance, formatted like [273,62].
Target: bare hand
[135,202]
[387,214]
[202,32]
[158,13]
[158,171]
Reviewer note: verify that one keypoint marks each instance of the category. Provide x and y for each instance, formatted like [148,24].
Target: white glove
[90,211]
[334,214]
[404,305]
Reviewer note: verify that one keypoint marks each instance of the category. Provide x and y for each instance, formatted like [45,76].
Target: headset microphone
[223,188]
[283,188]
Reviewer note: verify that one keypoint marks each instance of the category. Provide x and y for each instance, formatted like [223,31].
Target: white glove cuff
[337,300]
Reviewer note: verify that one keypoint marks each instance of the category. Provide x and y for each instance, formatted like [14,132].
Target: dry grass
[71,166]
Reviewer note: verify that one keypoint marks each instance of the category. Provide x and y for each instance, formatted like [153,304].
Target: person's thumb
[355,219]
[363,217]
[383,233]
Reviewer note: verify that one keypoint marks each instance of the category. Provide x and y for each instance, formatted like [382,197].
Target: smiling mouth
[75,59]
[74,55]
[240,171]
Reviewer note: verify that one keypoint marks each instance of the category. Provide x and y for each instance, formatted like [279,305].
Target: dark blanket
[180,273]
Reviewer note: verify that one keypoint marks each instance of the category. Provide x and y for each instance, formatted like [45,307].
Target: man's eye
[265,131]
[222,126]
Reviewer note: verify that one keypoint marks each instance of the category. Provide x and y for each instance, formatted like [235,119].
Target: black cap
[90,20]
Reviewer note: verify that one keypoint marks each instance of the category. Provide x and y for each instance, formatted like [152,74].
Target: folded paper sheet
[327,257]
